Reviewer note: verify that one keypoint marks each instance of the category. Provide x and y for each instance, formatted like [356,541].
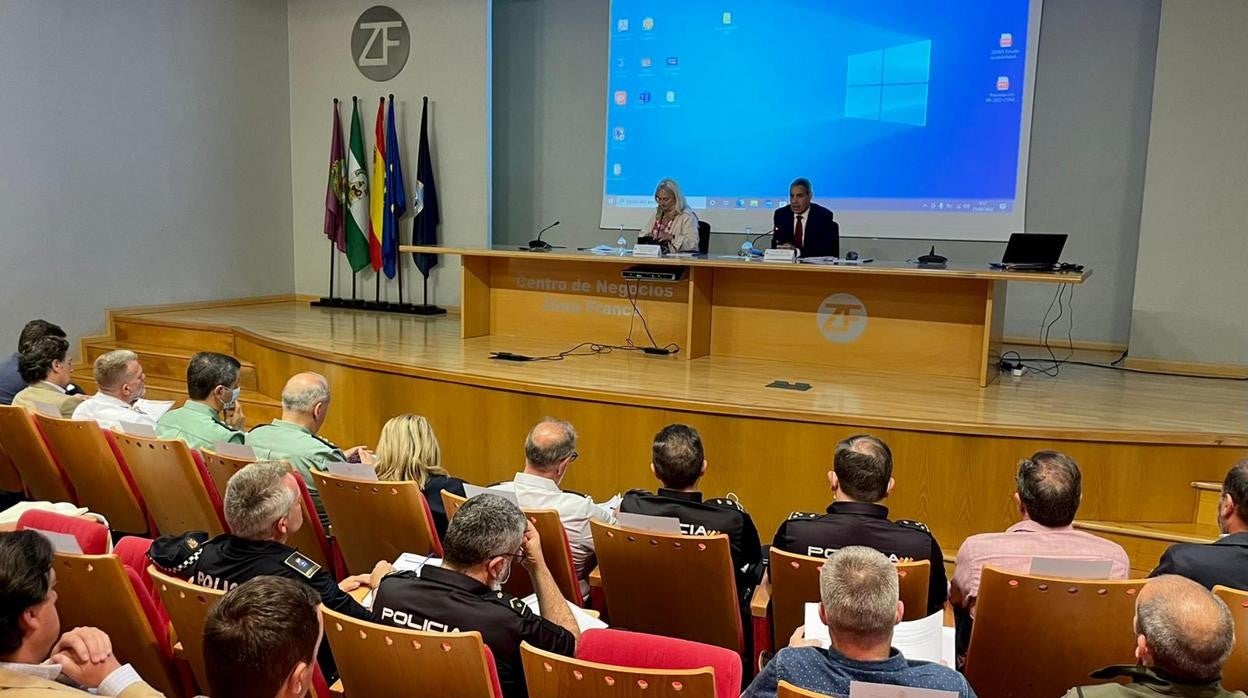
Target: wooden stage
[1140,439]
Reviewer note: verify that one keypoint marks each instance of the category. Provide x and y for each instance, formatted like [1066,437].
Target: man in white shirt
[548,452]
[120,384]
[34,655]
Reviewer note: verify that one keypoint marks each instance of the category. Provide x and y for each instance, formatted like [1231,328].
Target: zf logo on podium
[842,318]
[380,43]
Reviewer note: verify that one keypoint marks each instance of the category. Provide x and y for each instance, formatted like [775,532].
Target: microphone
[540,244]
[749,250]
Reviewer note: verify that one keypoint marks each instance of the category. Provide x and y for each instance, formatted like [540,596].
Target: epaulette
[800,515]
[916,525]
[726,502]
[325,441]
[221,423]
[520,607]
[302,565]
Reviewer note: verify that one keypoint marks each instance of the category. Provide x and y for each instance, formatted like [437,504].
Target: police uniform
[227,561]
[441,600]
[1224,561]
[700,518]
[305,451]
[196,423]
[861,523]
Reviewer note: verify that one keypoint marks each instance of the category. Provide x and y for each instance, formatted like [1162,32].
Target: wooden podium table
[881,316]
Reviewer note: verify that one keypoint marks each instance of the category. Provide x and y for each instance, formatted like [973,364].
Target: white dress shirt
[110,412]
[575,511]
[122,677]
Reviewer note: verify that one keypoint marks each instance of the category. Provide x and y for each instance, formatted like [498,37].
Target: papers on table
[355,471]
[471,491]
[233,450]
[583,620]
[1071,569]
[136,429]
[916,639]
[154,408]
[645,522]
[859,689]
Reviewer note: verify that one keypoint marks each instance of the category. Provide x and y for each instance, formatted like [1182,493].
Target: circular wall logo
[842,318]
[380,43]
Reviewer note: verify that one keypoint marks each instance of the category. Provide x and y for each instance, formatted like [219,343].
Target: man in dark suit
[806,226]
[1224,561]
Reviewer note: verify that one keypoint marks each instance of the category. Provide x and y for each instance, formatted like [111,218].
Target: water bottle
[621,242]
[747,247]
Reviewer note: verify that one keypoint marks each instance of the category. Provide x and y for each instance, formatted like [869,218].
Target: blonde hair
[408,450]
[673,188]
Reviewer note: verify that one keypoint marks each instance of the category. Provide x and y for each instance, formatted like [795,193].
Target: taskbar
[738,203]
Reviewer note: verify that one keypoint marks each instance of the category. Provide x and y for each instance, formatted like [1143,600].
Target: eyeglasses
[574,456]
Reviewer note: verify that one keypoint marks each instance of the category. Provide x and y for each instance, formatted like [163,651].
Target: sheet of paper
[583,619]
[233,450]
[154,408]
[471,491]
[136,429]
[859,689]
[645,522]
[1071,569]
[47,410]
[355,471]
[406,562]
[614,503]
[917,639]
[61,542]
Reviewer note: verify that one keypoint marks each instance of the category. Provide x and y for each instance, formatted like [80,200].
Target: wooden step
[1208,501]
[161,362]
[138,331]
[1146,541]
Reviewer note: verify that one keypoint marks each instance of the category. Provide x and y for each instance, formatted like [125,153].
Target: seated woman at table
[408,450]
[673,224]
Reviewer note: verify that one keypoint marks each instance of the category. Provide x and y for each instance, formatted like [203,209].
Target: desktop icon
[621,98]
[621,25]
[671,96]
[767,203]
[617,169]
[727,18]
[753,203]
[646,62]
[617,133]
[619,62]
[644,98]
[1003,83]
[672,61]
[740,203]
[1007,40]
[647,24]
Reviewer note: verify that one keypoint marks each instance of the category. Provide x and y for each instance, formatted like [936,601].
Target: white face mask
[233,398]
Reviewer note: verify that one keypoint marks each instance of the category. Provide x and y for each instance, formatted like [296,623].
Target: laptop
[1032,252]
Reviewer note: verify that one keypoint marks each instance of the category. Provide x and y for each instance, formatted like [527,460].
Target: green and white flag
[357,196]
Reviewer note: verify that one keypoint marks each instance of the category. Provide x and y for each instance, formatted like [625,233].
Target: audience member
[1048,492]
[408,450]
[549,451]
[859,590]
[1224,561]
[677,459]
[268,630]
[293,438]
[45,365]
[35,657]
[861,477]
[262,510]
[119,381]
[11,382]
[1184,635]
[212,392]
[487,536]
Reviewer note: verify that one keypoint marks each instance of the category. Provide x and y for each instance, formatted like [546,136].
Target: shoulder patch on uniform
[916,525]
[325,441]
[302,565]
[509,601]
[797,515]
[727,503]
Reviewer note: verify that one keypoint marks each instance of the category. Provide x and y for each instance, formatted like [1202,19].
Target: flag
[425,202]
[357,195]
[377,197]
[335,193]
[396,199]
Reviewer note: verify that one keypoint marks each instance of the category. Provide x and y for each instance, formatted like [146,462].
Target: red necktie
[797,232]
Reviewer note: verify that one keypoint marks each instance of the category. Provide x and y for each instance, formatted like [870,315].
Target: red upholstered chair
[642,651]
[173,483]
[92,536]
[41,474]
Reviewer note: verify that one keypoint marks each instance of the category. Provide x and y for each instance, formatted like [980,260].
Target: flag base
[379,306]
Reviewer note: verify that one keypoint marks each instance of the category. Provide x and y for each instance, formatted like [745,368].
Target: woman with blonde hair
[408,450]
[673,223]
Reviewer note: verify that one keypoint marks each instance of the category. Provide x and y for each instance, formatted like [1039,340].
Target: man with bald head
[294,439]
[549,451]
[1184,635]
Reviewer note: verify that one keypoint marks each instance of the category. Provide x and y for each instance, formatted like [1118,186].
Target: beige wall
[1191,284]
[449,62]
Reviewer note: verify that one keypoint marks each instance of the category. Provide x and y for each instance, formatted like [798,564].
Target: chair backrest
[788,690]
[377,520]
[98,591]
[642,651]
[188,606]
[221,468]
[1235,671]
[699,599]
[704,237]
[377,660]
[92,536]
[171,481]
[1066,628]
[41,474]
[795,583]
[451,502]
[550,674]
[100,477]
[10,478]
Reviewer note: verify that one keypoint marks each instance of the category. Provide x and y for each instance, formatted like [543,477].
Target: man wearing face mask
[212,391]
[483,541]
[119,381]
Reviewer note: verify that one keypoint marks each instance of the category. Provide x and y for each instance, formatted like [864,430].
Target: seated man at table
[36,659]
[1225,560]
[678,460]
[804,225]
[485,538]
[1184,635]
[860,604]
[211,412]
[861,477]
[119,383]
[45,366]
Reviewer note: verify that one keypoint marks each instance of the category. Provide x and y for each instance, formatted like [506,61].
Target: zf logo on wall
[842,318]
[380,43]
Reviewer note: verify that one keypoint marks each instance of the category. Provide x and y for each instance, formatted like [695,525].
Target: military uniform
[196,423]
[1146,682]
[1224,561]
[227,561]
[441,600]
[699,518]
[305,451]
[860,523]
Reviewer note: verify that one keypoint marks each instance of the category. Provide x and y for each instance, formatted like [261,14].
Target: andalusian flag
[377,207]
[357,195]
